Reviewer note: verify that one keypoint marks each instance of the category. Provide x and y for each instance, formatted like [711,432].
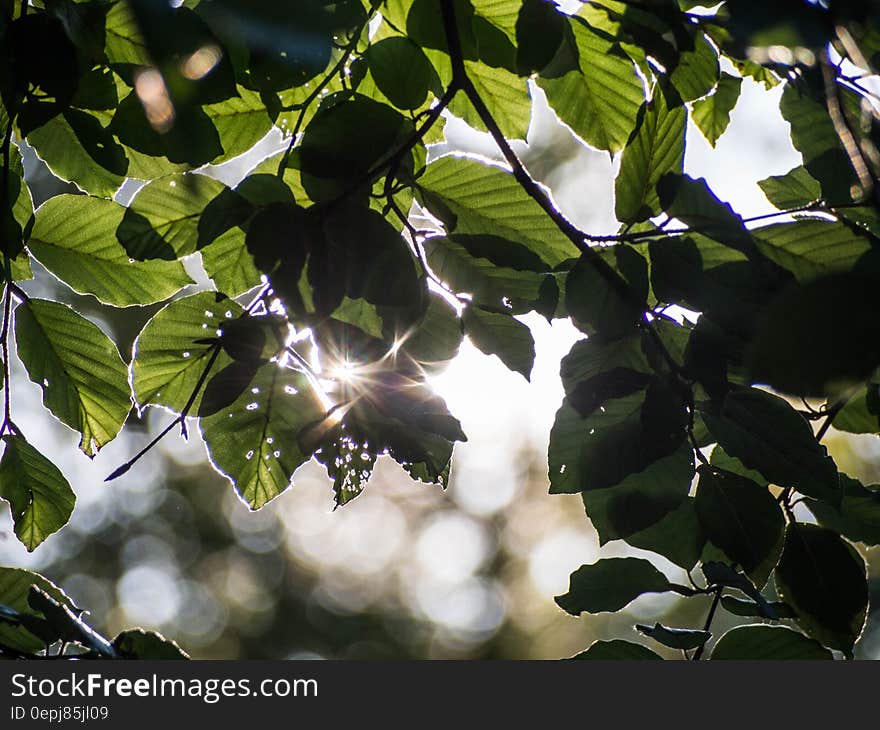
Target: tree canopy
[698,438]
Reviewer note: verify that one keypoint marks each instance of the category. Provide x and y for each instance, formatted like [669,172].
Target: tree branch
[338,68]
[536,192]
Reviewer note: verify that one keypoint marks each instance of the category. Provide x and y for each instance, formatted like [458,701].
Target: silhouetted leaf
[693,202]
[501,335]
[678,536]
[765,433]
[814,136]
[168,214]
[637,507]
[401,71]
[600,307]
[696,73]
[767,642]
[624,437]
[610,584]
[739,516]
[344,139]
[675,638]
[504,93]
[616,649]
[820,338]
[753,609]
[488,283]
[539,31]
[140,644]
[811,248]
[67,624]
[823,579]
[15,585]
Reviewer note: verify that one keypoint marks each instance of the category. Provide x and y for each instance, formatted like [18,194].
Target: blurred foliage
[297,313]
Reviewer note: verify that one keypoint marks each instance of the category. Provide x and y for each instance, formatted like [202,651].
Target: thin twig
[181,419]
[338,68]
[709,618]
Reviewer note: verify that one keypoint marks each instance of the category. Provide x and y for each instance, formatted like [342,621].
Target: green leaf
[402,71]
[765,433]
[124,42]
[617,649]
[488,283]
[506,96]
[712,114]
[168,357]
[140,644]
[862,413]
[501,335]
[39,496]
[683,639]
[794,189]
[600,100]
[820,338]
[75,238]
[230,265]
[474,198]
[811,248]
[858,517]
[361,314]
[78,368]
[693,202]
[823,579]
[241,121]
[697,71]
[254,442]
[57,144]
[656,148]
[15,585]
[610,584]
[739,516]
[163,218]
[767,642]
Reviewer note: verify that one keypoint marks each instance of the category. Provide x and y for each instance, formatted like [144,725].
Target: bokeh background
[406,570]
